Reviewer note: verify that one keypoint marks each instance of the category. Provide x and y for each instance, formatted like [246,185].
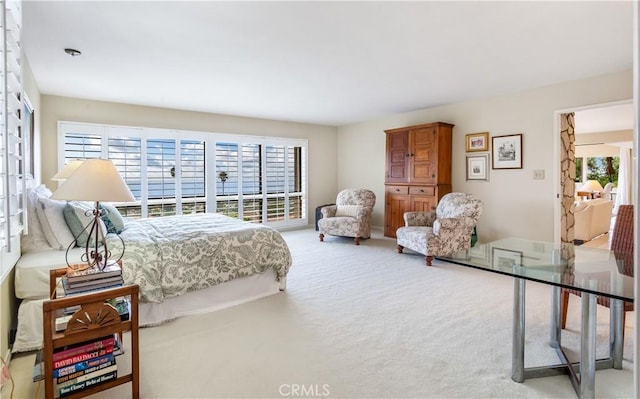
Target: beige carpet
[361,322]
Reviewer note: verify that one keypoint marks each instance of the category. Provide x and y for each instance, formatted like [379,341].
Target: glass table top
[600,272]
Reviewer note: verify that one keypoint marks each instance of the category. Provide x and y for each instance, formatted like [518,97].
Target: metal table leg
[555,337]
[517,365]
[616,340]
[588,347]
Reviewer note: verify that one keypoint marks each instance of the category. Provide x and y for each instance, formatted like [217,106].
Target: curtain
[623,194]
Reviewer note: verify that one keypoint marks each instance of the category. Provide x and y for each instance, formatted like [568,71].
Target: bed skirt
[222,296]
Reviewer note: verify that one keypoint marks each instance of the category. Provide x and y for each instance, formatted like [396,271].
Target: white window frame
[210,139]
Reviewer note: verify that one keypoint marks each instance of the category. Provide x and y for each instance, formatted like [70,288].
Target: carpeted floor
[361,322]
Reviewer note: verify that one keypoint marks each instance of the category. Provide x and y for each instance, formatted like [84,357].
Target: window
[602,169]
[257,179]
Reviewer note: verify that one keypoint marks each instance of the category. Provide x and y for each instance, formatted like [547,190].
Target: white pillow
[50,214]
[348,210]
[35,240]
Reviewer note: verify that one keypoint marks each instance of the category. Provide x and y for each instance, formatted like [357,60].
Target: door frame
[557,214]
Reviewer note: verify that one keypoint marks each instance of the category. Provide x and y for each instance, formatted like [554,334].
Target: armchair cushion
[348,210]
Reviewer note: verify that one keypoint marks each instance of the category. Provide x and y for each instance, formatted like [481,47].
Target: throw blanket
[169,256]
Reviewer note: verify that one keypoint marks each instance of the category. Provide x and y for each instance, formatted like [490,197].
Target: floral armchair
[350,216]
[443,232]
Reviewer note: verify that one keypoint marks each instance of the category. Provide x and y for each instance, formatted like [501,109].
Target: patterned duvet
[169,256]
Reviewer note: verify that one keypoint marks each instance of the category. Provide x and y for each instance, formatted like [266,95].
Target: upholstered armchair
[350,216]
[443,232]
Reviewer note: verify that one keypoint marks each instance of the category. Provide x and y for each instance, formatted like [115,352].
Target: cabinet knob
[408,155]
[421,190]
[397,189]
[433,175]
[433,208]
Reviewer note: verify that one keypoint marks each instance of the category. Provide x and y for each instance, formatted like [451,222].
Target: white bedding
[32,271]
[260,253]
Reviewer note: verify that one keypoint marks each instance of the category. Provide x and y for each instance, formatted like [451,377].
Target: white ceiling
[604,119]
[330,63]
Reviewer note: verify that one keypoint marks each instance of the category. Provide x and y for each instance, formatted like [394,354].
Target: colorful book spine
[68,390]
[88,376]
[88,347]
[82,367]
[109,361]
[82,357]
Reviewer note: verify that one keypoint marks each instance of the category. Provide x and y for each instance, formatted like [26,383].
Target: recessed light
[72,52]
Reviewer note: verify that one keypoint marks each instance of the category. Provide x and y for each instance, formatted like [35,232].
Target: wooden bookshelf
[91,304]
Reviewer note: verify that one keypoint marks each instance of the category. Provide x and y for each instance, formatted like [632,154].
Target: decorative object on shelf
[477,142]
[507,151]
[478,167]
[95,180]
[592,187]
[67,170]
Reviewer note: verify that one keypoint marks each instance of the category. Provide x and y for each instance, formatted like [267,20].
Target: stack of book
[81,366]
[80,280]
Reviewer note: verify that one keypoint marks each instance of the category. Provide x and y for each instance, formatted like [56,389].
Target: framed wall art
[477,142]
[503,259]
[506,151]
[478,167]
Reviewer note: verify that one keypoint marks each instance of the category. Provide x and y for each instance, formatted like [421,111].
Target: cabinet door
[423,203]
[396,206]
[424,155]
[397,157]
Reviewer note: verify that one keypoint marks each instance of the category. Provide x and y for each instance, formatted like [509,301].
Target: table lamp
[95,180]
[64,173]
[592,186]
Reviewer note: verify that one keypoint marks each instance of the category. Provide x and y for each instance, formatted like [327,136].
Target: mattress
[32,271]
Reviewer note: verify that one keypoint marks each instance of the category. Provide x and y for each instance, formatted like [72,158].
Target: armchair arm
[453,226]
[328,211]
[419,218]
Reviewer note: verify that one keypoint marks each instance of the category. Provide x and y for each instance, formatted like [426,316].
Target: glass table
[593,272]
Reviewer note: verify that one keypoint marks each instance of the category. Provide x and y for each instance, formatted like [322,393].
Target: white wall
[514,203]
[322,172]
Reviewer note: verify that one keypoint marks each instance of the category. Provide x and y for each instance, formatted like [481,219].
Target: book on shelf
[83,347]
[38,367]
[87,373]
[95,283]
[76,273]
[81,366]
[68,390]
[82,357]
[69,291]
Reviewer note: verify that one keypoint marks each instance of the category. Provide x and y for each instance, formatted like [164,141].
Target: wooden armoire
[418,170]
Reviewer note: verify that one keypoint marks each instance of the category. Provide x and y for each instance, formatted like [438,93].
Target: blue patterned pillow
[112,218]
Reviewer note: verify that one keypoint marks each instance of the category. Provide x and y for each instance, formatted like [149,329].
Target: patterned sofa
[444,231]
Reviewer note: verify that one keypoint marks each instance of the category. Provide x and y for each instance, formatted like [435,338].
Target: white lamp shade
[64,173]
[95,180]
[592,186]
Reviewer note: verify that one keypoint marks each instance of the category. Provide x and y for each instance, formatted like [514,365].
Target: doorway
[608,123]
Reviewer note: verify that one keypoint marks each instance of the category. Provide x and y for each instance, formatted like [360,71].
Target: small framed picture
[478,167]
[477,142]
[507,151]
[503,259]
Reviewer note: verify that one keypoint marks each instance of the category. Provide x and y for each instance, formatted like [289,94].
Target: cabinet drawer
[422,190]
[398,189]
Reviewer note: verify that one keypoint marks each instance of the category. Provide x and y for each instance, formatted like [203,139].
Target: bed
[183,265]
